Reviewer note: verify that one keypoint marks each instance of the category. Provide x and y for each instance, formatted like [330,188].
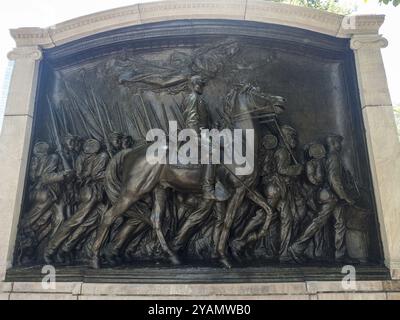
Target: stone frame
[383,145]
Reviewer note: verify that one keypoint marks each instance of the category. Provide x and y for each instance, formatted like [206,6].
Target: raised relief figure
[102,202]
[42,220]
[197,117]
[283,192]
[331,197]
[90,169]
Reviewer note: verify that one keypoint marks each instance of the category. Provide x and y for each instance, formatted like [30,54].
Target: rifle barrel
[57,138]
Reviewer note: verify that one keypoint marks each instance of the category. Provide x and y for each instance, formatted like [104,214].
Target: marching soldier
[331,198]
[90,170]
[254,228]
[43,219]
[115,140]
[283,191]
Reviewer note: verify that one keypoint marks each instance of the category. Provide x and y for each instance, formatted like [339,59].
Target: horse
[139,178]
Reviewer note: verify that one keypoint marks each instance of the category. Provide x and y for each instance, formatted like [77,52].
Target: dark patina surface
[92,201]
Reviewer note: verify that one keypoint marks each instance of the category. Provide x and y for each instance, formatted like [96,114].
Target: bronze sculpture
[117,208]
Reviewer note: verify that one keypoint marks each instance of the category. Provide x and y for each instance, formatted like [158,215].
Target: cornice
[245,10]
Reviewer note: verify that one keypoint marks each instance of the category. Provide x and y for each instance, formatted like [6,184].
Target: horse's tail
[113,177]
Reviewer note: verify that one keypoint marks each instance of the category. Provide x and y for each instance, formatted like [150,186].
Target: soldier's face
[41,149]
[199,88]
[116,143]
[291,139]
[317,152]
[89,148]
[78,145]
[337,145]
[70,144]
[127,143]
[40,152]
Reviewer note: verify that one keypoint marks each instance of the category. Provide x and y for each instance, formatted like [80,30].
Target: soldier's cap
[334,136]
[129,138]
[115,135]
[316,150]
[41,146]
[270,142]
[197,79]
[92,144]
[288,129]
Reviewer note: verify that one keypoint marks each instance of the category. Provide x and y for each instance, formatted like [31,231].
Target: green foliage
[327,5]
[394,2]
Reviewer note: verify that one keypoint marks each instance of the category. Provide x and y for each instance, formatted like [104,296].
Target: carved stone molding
[368,41]
[27,53]
[360,25]
[242,10]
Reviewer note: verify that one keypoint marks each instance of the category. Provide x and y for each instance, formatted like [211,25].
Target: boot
[209,192]
[209,183]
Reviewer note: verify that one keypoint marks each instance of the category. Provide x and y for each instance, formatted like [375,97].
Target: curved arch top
[242,10]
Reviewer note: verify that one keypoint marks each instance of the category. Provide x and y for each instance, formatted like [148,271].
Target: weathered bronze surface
[92,199]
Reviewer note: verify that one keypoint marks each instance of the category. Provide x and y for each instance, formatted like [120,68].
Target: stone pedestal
[310,290]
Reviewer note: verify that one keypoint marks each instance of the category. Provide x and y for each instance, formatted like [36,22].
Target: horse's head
[263,103]
[247,102]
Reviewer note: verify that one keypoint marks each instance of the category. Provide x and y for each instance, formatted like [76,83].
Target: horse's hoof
[175,260]
[48,258]
[60,257]
[237,245]
[113,262]
[236,256]
[225,262]
[95,263]
[112,258]
[214,255]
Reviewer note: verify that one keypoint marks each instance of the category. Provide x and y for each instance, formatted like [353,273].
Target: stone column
[383,141]
[14,146]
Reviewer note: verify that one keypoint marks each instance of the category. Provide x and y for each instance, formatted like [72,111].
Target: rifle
[108,147]
[57,137]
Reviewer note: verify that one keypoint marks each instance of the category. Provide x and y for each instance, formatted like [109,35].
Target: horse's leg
[118,209]
[231,210]
[250,234]
[160,197]
[258,199]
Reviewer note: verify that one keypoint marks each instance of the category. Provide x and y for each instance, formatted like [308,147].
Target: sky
[44,13]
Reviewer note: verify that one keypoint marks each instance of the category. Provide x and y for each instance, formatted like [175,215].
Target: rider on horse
[197,117]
